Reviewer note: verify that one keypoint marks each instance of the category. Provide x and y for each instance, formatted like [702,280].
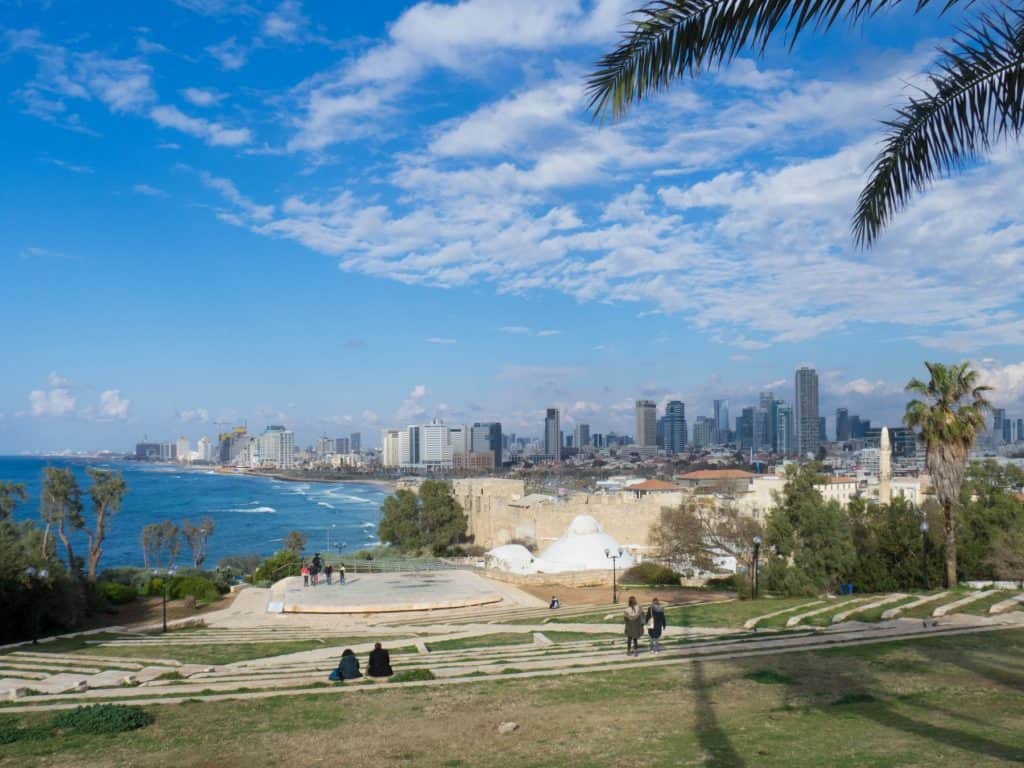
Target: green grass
[939,701]
[980,607]
[482,641]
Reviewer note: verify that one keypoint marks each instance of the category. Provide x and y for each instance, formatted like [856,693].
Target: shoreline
[387,484]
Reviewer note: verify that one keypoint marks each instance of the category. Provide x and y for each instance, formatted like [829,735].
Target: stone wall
[499,511]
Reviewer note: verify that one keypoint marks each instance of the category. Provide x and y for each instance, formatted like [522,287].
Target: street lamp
[169,575]
[35,577]
[614,555]
[757,550]
[924,552]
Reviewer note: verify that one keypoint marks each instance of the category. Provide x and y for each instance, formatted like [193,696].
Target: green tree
[295,542]
[810,538]
[197,536]
[107,490]
[428,520]
[62,507]
[987,515]
[974,99]
[698,531]
[161,543]
[10,495]
[889,545]
[948,418]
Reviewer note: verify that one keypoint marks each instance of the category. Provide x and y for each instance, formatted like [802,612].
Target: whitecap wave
[325,504]
[255,510]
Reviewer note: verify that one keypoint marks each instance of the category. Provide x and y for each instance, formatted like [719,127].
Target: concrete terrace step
[751,623]
[794,620]
[948,608]
[1007,605]
[844,615]
[892,613]
[908,630]
[120,662]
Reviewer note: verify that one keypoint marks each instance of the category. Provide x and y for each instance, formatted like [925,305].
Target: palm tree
[949,417]
[107,490]
[62,506]
[974,98]
[10,495]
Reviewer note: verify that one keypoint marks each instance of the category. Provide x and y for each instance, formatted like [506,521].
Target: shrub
[278,565]
[651,574]
[116,593]
[240,564]
[730,583]
[769,677]
[410,675]
[10,733]
[200,587]
[103,718]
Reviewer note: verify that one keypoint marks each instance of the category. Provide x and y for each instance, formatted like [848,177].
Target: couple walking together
[637,620]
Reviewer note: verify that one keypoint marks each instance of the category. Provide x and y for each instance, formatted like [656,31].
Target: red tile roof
[653,485]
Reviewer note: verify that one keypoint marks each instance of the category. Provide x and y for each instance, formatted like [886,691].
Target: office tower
[784,439]
[843,432]
[761,439]
[275,448]
[646,426]
[390,453]
[859,427]
[341,445]
[745,428]
[765,400]
[704,430]
[675,426]
[230,444]
[182,449]
[205,449]
[806,412]
[409,446]
[582,434]
[773,425]
[435,446]
[660,433]
[552,435]
[147,451]
[597,440]
[998,419]
[822,434]
[355,442]
[721,421]
[324,445]
[1020,430]
[460,438]
[486,436]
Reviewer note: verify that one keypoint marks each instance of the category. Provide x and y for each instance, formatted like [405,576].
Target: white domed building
[584,547]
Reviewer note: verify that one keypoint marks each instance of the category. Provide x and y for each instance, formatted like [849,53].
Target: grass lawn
[482,641]
[980,607]
[944,701]
[727,613]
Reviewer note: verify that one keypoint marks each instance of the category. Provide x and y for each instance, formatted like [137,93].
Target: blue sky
[347,217]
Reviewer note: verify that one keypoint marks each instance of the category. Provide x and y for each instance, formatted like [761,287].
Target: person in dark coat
[379,664]
[656,624]
[348,667]
[633,618]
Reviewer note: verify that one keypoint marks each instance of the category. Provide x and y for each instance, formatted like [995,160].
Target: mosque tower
[884,468]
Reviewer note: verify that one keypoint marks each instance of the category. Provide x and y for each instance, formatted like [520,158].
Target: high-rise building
[460,437]
[147,451]
[231,444]
[597,440]
[843,432]
[806,411]
[822,433]
[435,446]
[745,429]
[859,427]
[486,436]
[765,400]
[168,451]
[409,446]
[675,426]
[704,430]
[785,442]
[205,449]
[1020,430]
[646,426]
[998,419]
[355,442]
[341,445]
[390,454]
[275,448]
[324,445]
[721,422]
[582,434]
[183,449]
[761,435]
[552,435]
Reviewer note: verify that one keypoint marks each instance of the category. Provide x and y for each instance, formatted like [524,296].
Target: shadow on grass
[712,738]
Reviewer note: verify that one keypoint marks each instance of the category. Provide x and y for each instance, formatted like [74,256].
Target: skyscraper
[390,455]
[647,426]
[761,436]
[822,433]
[806,401]
[998,419]
[355,442]
[843,426]
[704,430]
[582,435]
[745,428]
[784,441]
[721,421]
[552,435]
[487,437]
[675,426]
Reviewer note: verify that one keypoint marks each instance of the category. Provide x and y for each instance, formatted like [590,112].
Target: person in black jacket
[656,624]
[379,664]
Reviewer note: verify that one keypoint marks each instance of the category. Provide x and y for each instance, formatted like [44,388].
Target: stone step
[1007,605]
[844,615]
[794,620]
[79,658]
[751,623]
[22,674]
[947,608]
[892,613]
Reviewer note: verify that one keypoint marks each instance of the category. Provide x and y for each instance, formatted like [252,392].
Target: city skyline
[442,230]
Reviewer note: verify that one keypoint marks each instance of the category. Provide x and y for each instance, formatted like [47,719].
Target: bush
[116,593]
[279,565]
[103,718]
[410,675]
[240,564]
[10,733]
[651,574]
[730,583]
[200,587]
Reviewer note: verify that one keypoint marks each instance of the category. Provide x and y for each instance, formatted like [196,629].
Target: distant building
[435,447]
[486,436]
[646,426]
[552,435]
[168,451]
[460,438]
[473,460]
[858,427]
[147,451]
[409,446]
[275,448]
[324,446]
[205,449]
[231,444]
[182,449]
[582,434]
[785,440]
[597,440]
[704,431]
[355,442]
[745,429]
[341,445]
[390,449]
[722,422]
[822,433]
[843,433]
[676,436]
[806,411]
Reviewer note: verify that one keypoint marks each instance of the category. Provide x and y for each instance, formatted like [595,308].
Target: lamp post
[169,574]
[35,578]
[924,552]
[757,550]
[614,555]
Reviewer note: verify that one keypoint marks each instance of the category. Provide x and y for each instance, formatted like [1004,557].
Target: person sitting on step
[379,664]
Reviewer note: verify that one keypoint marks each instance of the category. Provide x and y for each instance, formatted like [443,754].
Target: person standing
[328,571]
[305,574]
[656,624]
[633,617]
[341,573]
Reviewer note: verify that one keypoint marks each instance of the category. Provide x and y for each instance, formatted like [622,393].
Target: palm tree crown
[975,97]
[949,415]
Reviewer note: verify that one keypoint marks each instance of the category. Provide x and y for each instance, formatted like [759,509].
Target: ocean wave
[255,510]
[325,504]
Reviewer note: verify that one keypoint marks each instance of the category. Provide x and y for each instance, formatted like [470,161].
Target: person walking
[656,624]
[633,617]
[305,574]
[341,573]
[328,570]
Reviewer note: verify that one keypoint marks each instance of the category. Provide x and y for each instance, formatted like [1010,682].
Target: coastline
[386,484]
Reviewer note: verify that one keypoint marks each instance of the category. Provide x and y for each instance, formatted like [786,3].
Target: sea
[250,514]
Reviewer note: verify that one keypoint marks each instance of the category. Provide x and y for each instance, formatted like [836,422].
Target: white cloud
[439,340]
[55,380]
[212,133]
[230,54]
[55,400]
[198,415]
[548,332]
[148,191]
[230,193]
[112,405]
[1007,381]
[412,407]
[202,97]
[516,329]
[285,22]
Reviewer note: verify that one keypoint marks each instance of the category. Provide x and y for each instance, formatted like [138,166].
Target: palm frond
[670,38]
[975,100]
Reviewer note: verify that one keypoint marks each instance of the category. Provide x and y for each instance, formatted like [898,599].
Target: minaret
[884,468]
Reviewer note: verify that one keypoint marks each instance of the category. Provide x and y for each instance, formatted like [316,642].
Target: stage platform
[386,593]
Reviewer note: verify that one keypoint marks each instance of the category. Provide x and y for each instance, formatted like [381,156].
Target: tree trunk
[46,540]
[950,547]
[96,545]
[67,545]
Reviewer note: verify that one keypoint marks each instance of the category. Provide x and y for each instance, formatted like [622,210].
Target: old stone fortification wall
[497,513]
[564,579]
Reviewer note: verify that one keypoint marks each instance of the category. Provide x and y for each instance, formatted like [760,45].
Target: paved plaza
[387,593]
